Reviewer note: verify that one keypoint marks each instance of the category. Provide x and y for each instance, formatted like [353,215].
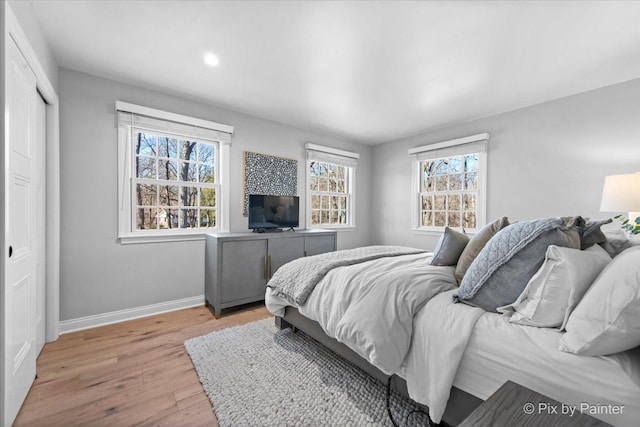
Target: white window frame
[337,157]
[457,147]
[133,117]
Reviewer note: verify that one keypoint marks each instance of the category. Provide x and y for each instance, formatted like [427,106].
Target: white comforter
[374,308]
[370,306]
[359,305]
[432,362]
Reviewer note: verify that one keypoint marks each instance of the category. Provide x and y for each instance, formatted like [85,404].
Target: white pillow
[557,287]
[607,320]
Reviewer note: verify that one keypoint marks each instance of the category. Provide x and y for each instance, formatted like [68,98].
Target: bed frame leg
[283,324]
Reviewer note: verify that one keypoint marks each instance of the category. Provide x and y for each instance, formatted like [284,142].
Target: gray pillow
[476,244]
[449,248]
[615,242]
[505,265]
[590,233]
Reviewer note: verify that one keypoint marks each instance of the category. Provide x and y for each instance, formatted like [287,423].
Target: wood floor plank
[195,416]
[194,400]
[73,398]
[131,373]
[134,412]
[188,391]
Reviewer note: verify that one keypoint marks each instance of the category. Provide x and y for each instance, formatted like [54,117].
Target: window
[175,182]
[330,187]
[450,181]
[172,175]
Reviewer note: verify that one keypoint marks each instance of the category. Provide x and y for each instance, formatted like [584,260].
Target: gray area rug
[256,375]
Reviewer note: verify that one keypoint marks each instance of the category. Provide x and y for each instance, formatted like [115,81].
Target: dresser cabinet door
[314,245]
[282,251]
[244,269]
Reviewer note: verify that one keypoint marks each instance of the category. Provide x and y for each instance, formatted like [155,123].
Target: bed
[447,357]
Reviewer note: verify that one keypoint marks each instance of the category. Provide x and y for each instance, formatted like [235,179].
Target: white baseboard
[103,319]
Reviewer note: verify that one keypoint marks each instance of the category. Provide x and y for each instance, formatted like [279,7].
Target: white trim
[335,227]
[429,232]
[450,143]
[46,89]
[162,238]
[331,150]
[173,117]
[224,175]
[415,195]
[104,319]
[481,219]
[352,198]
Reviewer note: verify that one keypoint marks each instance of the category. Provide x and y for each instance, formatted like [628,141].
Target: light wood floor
[131,373]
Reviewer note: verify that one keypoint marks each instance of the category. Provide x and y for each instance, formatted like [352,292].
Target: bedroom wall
[544,160]
[98,274]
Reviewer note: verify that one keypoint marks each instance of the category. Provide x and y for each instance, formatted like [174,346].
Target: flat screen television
[273,212]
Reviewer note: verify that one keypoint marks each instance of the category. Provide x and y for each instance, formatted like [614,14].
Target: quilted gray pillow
[505,265]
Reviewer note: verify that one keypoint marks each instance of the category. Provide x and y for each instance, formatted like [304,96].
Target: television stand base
[268,230]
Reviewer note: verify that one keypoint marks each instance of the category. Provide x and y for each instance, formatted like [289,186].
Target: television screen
[273,211]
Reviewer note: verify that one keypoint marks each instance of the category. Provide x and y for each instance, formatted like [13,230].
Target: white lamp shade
[621,193]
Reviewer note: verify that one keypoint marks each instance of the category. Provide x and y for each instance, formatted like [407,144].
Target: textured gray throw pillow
[449,248]
[476,244]
[505,265]
[590,233]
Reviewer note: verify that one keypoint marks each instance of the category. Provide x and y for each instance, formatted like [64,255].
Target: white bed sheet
[499,351]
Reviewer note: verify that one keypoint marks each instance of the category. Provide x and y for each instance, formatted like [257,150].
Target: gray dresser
[239,265]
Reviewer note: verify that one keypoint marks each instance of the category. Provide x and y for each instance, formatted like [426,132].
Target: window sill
[429,232]
[335,227]
[134,239]
[426,232]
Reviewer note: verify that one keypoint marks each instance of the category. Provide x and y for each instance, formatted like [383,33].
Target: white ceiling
[367,71]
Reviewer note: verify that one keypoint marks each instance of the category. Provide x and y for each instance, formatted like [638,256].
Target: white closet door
[40,157]
[19,284]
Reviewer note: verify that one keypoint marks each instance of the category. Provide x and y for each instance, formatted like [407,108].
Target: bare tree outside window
[175,182]
[449,192]
[330,196]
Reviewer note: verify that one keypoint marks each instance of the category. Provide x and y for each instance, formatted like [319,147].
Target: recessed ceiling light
[211,60]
